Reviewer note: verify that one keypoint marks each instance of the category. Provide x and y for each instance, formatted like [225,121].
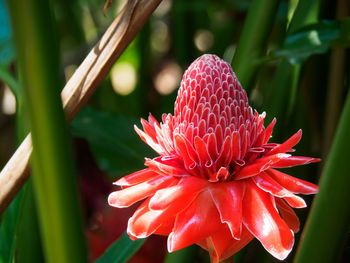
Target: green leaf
[121,250]
[52,165]
[253,39]
[314,39]
[8,229]
[113,141]
[320,243]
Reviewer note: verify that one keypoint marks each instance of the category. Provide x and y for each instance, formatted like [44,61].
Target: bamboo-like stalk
[253,40]
[335,84]
[328,223]
[81,86]
[54,177]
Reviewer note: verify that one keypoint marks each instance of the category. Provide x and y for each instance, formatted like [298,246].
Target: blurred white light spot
[8,102]
[168,79]
[160,37]
[123,77]
[314,38]
[163,8]
[203,40]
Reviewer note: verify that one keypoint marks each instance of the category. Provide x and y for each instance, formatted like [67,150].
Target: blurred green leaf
[116,147]
[185,255]
[7,78]
[315,39]
[7,231]
[121,250]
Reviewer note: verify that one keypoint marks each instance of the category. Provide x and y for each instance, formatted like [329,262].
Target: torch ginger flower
[215,182]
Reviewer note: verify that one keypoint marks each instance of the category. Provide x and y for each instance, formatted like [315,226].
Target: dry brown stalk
[80,87]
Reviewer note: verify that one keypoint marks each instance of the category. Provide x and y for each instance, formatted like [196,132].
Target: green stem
[330,207]
[305,13]
[53,169]
[7,78]
[253,40]
[27,226]
[286,80]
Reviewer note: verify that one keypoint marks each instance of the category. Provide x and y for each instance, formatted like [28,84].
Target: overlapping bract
[215,181]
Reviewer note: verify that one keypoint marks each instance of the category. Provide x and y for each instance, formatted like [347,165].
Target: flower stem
[252,42]
[329,218]
[53,169]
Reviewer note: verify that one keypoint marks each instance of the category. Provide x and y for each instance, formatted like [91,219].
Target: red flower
[215,181]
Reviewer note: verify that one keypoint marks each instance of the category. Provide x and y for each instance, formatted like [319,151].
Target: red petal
[132,194]
[197,222]
[269,130]
[295,201]
[186,151]
[145,222]
[237,245]
[202,151]
[267,184]
[252,169]
[263,221]
[294,160]
[235,145]
[287,145]
[225,154]
[166,166]
[228,200]
[148,139]
[259,165]
[136,178]
[288,215]
[293,184]
[212,146]
[274,158]
[220,175]
[182,193]
[221,245]
[166,226]
[149,129]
